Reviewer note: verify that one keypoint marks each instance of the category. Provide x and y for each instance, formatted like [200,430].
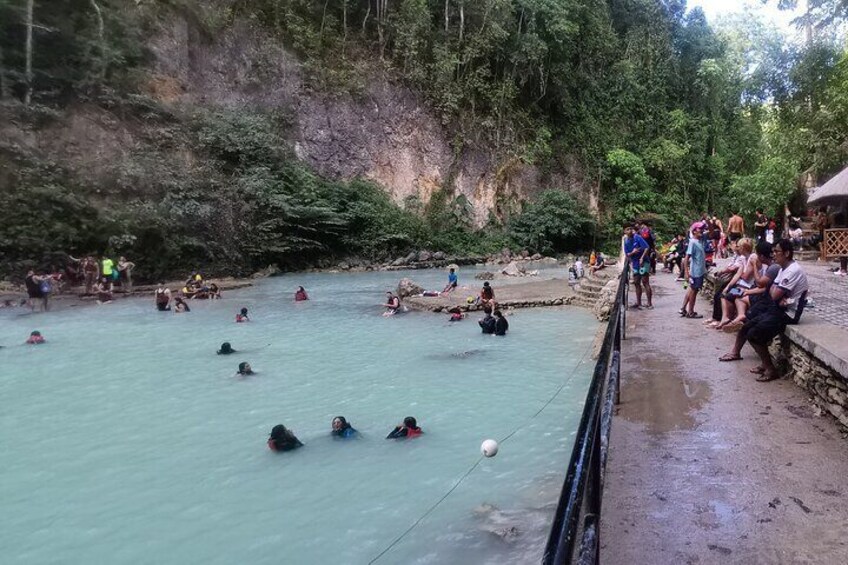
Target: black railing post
[581,498]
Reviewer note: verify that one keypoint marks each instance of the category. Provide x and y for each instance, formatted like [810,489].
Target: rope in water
[398,539]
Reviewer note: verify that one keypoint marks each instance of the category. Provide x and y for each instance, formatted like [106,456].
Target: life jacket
[240,318]
[413,432]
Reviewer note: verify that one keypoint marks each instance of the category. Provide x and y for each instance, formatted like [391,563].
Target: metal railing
[578,512]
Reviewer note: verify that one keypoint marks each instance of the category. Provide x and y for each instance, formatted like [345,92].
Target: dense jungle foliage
[667,114]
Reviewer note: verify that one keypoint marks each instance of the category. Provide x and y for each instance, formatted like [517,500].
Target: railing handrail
[584,476]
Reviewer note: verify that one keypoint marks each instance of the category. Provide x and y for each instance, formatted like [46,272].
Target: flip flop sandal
[728,357]
[757,370]
[694,316]
[765,377]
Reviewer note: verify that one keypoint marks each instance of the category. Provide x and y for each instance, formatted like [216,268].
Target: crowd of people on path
[757,293]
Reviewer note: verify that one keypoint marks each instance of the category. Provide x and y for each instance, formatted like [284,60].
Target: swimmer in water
[226,349]
[409,429]
[342,428]
[392,304]
[180,306]
[282,439]
[300,295]
[244,369]
[35,338]
[242,316]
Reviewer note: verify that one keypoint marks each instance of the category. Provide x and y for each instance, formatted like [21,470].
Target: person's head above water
[226,349]
[35,333]
[497,314]
[410,422]
[244,311]
[340,424]
[244,368]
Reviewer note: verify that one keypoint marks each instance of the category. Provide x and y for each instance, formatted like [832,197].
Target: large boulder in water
[408,287]
[514,270]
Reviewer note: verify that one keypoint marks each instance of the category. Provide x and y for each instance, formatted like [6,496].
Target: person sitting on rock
[453,281]
[487,295]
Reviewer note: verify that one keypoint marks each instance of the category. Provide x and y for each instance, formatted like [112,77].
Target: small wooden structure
[833,193]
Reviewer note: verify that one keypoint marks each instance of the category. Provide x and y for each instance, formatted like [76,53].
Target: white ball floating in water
[489,448]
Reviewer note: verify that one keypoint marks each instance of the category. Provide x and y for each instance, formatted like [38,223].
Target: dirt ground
[709,466]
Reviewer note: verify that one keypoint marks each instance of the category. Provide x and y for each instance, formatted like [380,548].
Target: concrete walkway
[709,466]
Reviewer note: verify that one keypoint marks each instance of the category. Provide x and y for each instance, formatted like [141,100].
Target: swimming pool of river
[125,439]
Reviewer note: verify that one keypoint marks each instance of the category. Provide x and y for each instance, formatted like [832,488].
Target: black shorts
[734,237]
[767,322]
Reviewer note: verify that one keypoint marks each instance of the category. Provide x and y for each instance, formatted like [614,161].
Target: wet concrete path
[709,466]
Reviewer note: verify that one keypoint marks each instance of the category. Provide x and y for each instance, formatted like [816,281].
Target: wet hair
[244,311]
[410,422]
[226,348]
[36,332]
[242,366]
[764,249]
[498,314]
[344,423]
[486,283]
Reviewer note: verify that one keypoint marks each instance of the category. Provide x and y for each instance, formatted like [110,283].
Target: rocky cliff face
[387,134]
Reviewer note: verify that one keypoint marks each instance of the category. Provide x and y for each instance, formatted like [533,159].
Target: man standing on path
[769,316]
[696,269]
[735,230]
[636,249]
[760,226]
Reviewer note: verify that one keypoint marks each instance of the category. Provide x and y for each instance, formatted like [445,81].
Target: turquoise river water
[126,440]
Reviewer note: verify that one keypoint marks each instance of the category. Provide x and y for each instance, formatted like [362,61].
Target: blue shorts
[643,270]
[696,282]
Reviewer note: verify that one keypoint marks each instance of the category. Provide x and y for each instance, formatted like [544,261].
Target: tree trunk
[447,15]
[461,18]
[101,72]
[365,19]
[28,67]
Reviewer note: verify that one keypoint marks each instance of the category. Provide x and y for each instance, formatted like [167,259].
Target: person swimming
[342,428]
[282,439]
[245,369]
[300,295]
[409,429]
[180,306]
[226,349]
[242,316]
[35,338]
[392,304]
